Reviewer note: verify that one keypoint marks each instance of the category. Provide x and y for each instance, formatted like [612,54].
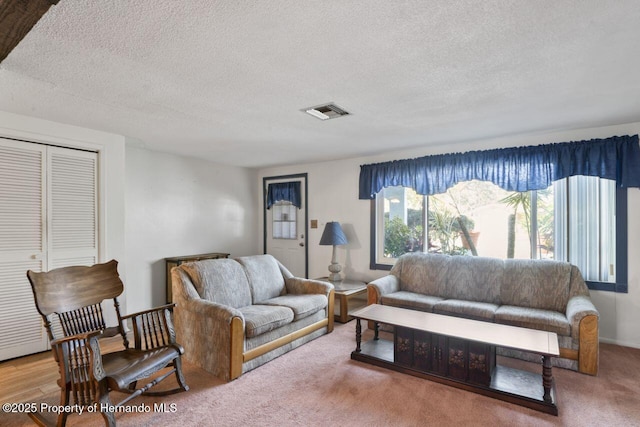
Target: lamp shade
[333,235]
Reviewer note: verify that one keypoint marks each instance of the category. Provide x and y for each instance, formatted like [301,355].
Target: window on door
[285,221]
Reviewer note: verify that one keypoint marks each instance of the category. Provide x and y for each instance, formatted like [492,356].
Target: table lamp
[333,235]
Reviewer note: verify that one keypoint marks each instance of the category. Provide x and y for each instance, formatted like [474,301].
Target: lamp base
[335,275]
[335,278]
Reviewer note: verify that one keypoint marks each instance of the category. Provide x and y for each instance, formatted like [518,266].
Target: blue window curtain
[513,169]
[288,191]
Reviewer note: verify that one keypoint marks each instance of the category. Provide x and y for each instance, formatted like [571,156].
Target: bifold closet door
[72,232]
[48,219]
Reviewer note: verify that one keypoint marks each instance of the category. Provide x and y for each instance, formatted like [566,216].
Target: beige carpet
[319,385]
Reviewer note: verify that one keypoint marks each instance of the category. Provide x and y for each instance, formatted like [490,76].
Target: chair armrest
[153,328]
[139,313]
[80,363]
[382,286]
[579,307]
[84,337]
[298,285]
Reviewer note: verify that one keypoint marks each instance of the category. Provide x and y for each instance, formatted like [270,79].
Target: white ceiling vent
[326,111]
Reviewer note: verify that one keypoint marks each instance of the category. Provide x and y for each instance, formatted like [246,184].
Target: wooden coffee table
[461,353]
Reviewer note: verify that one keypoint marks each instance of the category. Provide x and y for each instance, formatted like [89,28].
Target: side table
[350,295]
[176,261]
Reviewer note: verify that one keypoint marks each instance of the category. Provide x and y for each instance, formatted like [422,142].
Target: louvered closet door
[22,245]
[72,208]
[71,211]
[48,219]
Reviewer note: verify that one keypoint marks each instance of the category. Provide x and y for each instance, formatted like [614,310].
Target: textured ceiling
[226,80]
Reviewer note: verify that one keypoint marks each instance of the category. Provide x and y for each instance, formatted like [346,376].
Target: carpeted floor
[319,385]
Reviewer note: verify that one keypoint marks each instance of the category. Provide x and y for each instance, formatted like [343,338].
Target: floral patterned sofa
[233,315]
[537,294]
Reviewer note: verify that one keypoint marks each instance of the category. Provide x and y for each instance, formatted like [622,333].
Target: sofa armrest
[212,334]
[213,337]
[382,286]
[583,316]
[188,300]
[579,307]
[218,313]
[298,285]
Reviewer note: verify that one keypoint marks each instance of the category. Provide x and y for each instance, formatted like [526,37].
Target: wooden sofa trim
[272,345]
[239,356]
[588,357]
[237,347]
[568,353]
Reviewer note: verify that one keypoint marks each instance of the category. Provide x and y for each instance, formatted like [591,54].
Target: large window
[572,220]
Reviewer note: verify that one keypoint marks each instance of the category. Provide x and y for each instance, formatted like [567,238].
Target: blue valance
[287,191]
[513,169]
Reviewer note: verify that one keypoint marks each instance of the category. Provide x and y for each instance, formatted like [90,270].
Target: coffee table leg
[547,378]
[376,327]
[358,334]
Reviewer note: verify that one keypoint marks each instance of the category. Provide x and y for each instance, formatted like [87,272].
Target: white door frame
[305,202]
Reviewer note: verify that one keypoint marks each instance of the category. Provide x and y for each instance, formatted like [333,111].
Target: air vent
[326,111]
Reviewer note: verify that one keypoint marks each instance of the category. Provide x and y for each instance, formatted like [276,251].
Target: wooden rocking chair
[74,294]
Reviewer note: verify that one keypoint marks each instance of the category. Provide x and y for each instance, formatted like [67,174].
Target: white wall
[182,206]
[174,205]
[111,169]
[333,196]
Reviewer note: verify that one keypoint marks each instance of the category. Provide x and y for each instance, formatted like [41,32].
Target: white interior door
[48,219]
[286,228]
[22,245]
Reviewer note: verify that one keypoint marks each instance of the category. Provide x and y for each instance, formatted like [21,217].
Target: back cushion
[540,284]
[265,278]
[220,280]
[475,279]
[422,273]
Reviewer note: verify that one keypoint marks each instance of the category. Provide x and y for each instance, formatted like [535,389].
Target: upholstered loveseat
[233,315]
[537,294]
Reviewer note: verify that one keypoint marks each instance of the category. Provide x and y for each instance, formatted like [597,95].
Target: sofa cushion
[475,279]
[412,300]
[265,278]
[422,273]
[302,305]
[469,309]
[220,280]
[259,319]
[533,318]
[542,284]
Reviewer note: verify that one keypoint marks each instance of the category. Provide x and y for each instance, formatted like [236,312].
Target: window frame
[619,286]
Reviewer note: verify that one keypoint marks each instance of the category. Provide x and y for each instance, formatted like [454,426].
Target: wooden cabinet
[176,261]
[449,357]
